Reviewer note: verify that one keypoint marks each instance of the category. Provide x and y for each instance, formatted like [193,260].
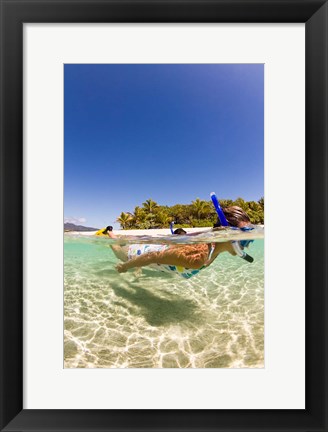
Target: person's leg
[120,252]
[191,256]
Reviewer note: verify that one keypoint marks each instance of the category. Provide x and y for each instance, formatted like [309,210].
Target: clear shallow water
[149,319]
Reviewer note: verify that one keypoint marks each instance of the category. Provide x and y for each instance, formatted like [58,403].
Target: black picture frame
[314,13]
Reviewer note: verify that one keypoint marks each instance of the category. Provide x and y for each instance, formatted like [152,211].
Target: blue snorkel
[235,244]
[219,210]
[171,227]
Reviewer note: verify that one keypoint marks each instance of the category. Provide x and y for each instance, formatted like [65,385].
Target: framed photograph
[155,132]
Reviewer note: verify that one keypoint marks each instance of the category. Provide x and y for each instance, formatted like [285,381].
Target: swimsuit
[140,249]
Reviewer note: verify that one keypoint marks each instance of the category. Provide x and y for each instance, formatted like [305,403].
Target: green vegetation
[197,214]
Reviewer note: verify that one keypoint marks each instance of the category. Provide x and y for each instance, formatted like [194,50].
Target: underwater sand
[148,319]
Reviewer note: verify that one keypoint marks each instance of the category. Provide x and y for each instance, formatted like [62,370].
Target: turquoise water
[147,319]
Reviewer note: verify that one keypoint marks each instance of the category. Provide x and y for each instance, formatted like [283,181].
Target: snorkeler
[180,231]
[187,260]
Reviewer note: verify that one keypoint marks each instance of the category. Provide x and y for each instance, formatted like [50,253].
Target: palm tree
[163,219]
[261,202]
[241,203]
[124,219]
[138,217]
[149,205]
[226,202]
[253,205]
[200,207]
[179,213]
[198,213]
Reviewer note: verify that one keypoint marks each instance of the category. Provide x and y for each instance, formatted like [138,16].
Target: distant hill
[73,227]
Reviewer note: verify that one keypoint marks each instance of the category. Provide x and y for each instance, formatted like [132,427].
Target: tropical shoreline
[143,232]
[139,232]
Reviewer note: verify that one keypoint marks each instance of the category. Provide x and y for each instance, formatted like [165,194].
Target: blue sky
[172,133]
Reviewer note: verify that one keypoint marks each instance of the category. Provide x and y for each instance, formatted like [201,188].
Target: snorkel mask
[237,245]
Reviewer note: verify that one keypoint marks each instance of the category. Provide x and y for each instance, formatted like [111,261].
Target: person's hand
[121,268]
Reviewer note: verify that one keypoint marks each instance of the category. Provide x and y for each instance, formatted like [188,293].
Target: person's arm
[219,248]
[193,256]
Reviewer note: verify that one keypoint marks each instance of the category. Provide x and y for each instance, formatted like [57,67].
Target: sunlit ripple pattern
[147,319]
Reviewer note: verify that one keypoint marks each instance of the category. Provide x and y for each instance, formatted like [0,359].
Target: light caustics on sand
[147,319]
